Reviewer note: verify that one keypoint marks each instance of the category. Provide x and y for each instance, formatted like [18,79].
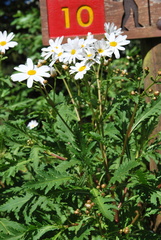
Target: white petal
[12,44]
[10,36]
[117,54]
[22,68]
[30,82]
[30,63]
[19,77]
[38,78]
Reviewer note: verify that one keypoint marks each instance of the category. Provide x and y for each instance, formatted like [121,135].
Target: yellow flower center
[73,51]
[82,46]
[31,72]
[59,54]
[3,43]
[100,50]
[82,68]
[113,44]
[89,55]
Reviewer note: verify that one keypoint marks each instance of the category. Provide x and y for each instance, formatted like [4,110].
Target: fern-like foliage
[104,204]
[123,171]
[48,180]
[11,230]
[152,109]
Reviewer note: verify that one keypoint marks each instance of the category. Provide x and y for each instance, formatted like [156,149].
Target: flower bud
[156,93]
[103,185]
[87,205]
[146,69]
[45,81]
[64,66]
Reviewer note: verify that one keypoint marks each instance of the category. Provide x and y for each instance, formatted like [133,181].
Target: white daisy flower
[72,51]
[89,54]
[54,45]
[31,73]
[80,69]
[32,124]
[90,38]
[88,42]
[102,48]
[111,28]
[115,43]
[58,55]
[5,41]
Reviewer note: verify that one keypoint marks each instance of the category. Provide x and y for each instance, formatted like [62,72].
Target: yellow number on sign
[79,19]
[91,16]
[66,15]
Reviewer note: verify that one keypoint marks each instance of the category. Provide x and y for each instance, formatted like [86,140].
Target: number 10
[78,16]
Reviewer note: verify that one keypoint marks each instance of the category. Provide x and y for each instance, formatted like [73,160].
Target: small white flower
[54,45]
[32,124]
[102,48]
[53,72]
[89,54]
[90,38]
[5,41]
[80,69]
[88,42]
[58,55]
[111,28]
[31,73]
[72,51]
[115,43]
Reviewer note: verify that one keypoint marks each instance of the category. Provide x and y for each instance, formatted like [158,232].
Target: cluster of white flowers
[79,53]
[83,53]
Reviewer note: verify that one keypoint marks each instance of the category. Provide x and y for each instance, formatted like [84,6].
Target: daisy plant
[77,142]
[84,59]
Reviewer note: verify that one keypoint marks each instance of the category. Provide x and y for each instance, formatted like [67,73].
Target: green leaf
[15,204]
[48,180]
[122,172]
[104,208]
[11,230]
[153,109]
[41,231]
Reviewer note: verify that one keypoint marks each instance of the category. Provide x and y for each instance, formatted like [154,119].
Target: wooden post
[151,53]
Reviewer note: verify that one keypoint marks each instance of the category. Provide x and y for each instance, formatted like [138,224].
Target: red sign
[71,17]
[74,17]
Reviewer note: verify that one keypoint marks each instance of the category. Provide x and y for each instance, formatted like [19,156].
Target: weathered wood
[151,49]
[149,12]
[138,18]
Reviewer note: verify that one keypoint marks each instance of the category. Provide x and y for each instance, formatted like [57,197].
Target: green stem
[90,103]
[128,132]
[144,92]
[70,94]
[48,99]
[99,92]
[0,64]
[72,99]
[100,123]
